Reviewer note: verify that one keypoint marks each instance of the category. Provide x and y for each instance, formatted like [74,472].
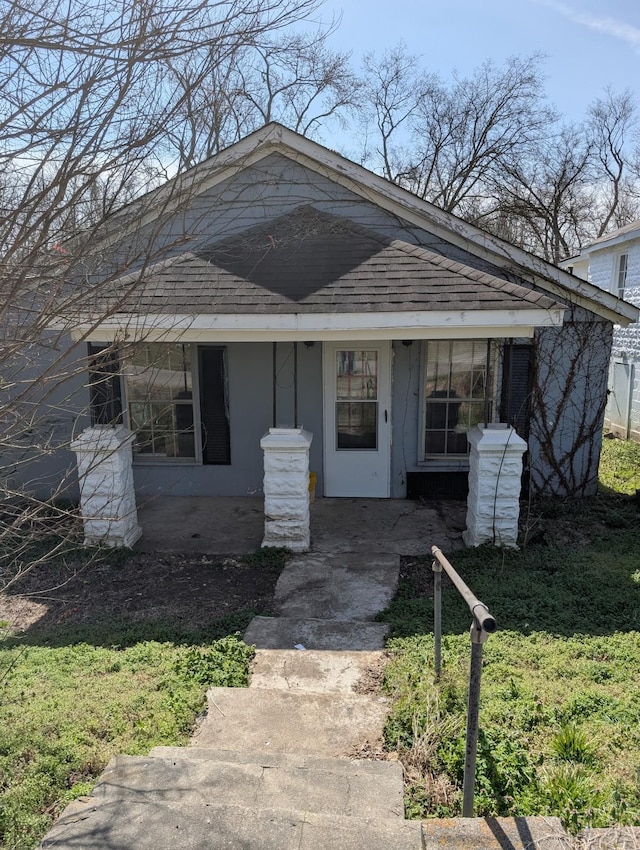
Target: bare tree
[88,121]
[490,149]
[292,78]
[544,203]
[612,122]
[448,142]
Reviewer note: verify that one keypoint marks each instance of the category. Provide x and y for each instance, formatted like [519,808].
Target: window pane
[461,367]
[435,442]
[356,424]
[455,393]
[357,375]
[438,366]
[159,395]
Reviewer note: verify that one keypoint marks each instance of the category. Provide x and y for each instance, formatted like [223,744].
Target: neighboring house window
[159,394]
[457,394]
[623,260]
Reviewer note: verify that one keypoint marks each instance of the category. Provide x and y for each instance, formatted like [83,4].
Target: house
[280,284]
[612,262]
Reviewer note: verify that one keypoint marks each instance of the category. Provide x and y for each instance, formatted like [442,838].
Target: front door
[357,419]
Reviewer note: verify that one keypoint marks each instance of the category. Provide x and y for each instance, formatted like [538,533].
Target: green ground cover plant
[561,678]
[620,466]
[73,695]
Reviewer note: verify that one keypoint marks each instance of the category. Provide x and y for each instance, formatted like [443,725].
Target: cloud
[604,25]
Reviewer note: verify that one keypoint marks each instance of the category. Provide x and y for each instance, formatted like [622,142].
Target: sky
[588,44]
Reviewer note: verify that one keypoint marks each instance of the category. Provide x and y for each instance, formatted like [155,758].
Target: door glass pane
[356,375]
[356,425]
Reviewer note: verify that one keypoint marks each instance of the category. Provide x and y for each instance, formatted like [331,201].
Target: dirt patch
[370,682]
[191,590]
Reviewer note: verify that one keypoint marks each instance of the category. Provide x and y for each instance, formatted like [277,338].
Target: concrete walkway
[309,661]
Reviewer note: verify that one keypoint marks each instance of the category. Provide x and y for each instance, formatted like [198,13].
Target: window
[457,394]
[160,401]
[622,274]
[356,399]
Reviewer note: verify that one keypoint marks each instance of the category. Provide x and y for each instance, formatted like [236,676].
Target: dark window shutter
[104,386]
[515,398]
[214,408]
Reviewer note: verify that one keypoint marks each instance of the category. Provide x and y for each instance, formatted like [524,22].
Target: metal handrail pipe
[479,610]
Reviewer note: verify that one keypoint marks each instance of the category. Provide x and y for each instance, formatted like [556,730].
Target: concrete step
[289,632]
[313,671]
[137,825]
[350,586]
[333,788]
[537,833]
[391,769]
[289,722]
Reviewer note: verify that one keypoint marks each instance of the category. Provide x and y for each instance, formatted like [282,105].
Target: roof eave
[446,324]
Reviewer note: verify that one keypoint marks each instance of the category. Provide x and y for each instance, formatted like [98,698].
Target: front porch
[235,525]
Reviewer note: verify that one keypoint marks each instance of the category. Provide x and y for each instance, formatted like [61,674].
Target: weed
[223,664]
[269,557]
[572,745]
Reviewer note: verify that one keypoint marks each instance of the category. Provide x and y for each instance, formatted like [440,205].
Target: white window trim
[157,460]
[443,463]
[622,256]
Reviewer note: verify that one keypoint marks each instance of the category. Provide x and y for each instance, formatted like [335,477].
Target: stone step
[315,671]
[137,825]
[281,721]
[289,632]
[390,769]
[351,586]
[344,788]
[535,833]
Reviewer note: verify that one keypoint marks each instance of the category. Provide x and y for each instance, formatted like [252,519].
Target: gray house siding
[265,191]
[250,373]
[567,411]
[45,405]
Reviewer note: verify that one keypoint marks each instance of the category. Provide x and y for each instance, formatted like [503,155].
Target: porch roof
[314,268]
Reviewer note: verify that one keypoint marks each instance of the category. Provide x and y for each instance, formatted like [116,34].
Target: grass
[620,466]
[561,678]
[72,697]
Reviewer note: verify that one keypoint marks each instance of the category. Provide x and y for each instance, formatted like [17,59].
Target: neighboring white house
[612,262]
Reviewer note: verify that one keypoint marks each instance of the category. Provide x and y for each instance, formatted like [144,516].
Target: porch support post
[286,488]
[107,496]
[495,481]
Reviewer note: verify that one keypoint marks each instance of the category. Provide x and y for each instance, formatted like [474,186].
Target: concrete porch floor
[235,525]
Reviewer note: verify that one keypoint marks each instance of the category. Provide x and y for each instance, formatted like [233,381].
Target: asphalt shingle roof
[307,262]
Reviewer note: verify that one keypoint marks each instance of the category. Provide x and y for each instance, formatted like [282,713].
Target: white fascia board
[464,324]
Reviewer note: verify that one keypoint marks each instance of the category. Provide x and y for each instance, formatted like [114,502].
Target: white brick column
[495,473]
[107,496]
[286,488]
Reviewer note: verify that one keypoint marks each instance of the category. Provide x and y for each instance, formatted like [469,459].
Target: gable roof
[615,237]
[276,138]
[308,261]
